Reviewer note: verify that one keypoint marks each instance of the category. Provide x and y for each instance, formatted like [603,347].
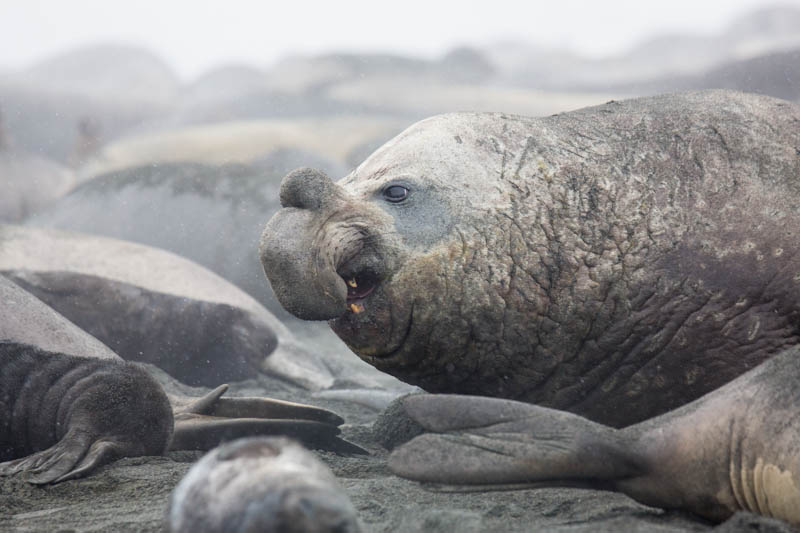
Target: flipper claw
[72,457]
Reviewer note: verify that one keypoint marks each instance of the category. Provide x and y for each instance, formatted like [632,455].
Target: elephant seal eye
[395,193]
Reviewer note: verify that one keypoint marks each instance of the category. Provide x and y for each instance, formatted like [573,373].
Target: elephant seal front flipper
[67,398]
[79,412]
[736,448]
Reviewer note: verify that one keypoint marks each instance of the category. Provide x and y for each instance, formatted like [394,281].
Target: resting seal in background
[737,448]
[153,306]
[616,261]
[269,485]
[68,404]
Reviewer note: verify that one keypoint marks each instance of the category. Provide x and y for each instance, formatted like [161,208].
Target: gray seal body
[615,261]
[261,484]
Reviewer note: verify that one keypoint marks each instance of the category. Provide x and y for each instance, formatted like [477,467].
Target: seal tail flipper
[490,441]
[101,452]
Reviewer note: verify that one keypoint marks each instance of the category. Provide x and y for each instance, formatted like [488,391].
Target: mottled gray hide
[615,261]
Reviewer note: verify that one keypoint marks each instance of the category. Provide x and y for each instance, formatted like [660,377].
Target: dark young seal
[737,448]
[615,261]
[68,404]
[270,485]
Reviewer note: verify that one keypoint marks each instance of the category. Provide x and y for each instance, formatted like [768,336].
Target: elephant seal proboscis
[68,404]
[271,485]
[736,448]
[616,261]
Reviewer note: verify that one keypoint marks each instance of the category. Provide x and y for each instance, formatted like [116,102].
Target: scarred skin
[616,261]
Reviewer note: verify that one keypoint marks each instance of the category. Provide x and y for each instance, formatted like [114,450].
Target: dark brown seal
[68,404]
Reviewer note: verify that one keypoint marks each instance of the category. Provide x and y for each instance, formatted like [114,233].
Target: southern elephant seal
[67,399]
[68,404]
[212,215]
[261,484]
[616,261]
[736,448]
[152,306]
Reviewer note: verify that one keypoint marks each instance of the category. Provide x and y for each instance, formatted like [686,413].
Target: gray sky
[194,35]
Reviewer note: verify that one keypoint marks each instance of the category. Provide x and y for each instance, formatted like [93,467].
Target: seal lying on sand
[261,484]
[68,404]
[737,448]
[153,306]
[616,261]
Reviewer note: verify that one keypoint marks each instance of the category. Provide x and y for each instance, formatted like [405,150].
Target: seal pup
[68,404]
[267,484]
[736,448]
[616,261]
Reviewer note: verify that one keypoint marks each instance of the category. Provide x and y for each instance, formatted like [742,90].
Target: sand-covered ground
[132,494]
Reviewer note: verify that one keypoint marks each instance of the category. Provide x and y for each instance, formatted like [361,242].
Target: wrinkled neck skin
[517,270]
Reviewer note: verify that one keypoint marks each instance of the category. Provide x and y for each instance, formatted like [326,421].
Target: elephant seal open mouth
[615,261]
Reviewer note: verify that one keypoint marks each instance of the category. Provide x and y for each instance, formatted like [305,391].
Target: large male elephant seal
[736,448]
[616,261]
[68,404]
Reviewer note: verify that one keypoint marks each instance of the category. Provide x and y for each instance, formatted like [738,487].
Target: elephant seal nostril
[307,188]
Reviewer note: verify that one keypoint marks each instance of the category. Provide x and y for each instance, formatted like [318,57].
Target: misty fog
[115,140]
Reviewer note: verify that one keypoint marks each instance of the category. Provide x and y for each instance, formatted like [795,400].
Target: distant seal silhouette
[31,182]
[260,484]
[68,404]
[616,261]
[737,448]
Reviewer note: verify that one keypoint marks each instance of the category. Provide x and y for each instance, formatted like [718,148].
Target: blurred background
[172,123]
